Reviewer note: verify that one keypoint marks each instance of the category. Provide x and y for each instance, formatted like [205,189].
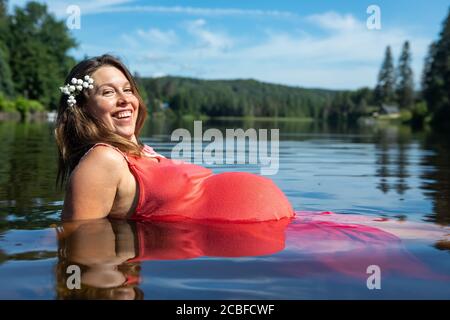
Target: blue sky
[322,44]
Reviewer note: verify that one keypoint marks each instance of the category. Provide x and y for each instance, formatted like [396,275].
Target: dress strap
[149,152]
[106,145]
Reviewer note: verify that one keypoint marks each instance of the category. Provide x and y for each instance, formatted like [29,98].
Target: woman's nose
[122,99]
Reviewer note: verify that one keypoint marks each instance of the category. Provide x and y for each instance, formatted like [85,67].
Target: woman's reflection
[108,252]
[100,248]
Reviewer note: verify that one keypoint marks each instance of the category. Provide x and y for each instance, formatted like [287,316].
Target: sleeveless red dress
[177,190]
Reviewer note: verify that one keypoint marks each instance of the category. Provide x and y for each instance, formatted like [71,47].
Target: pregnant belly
[240,196]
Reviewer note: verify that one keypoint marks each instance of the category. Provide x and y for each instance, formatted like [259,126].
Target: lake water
[387,186]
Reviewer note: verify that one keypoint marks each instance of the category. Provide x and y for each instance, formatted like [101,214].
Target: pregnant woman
[110,173]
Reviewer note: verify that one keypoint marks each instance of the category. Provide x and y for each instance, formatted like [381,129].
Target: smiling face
[113,101]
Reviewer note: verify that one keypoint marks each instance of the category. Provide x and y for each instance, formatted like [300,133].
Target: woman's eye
[128,90]
[108,92]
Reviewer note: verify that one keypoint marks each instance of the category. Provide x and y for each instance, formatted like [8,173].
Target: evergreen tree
[426,73]
[436,79]
[405,81]
[385,89]
[426,94]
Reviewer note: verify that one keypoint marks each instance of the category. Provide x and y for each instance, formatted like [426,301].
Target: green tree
[141,89]
[405,81]
[252,98]
[4,25]
[426,72]
[385,89]
[38,46]
[436,78]
[6,82]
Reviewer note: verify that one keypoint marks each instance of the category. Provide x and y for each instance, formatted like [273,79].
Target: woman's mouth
[122,114]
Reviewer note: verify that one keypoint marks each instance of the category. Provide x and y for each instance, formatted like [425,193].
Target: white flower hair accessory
[75,87]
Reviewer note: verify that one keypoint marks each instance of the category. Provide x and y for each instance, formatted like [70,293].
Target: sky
[312,44]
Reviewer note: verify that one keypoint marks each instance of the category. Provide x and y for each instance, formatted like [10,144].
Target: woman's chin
[127,134]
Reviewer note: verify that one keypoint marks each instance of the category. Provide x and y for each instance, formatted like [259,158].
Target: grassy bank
[10,108]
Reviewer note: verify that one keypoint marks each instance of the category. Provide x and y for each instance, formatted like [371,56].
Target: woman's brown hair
[77,130]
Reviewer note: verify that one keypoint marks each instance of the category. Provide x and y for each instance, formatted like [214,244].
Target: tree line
[431,101]
[216,98]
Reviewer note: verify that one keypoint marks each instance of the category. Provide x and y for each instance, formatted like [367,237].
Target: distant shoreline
[305,119]
[244,118]
[33,116]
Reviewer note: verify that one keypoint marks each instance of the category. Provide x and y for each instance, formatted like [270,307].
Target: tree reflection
[27,174]
[436,179]
[392,146]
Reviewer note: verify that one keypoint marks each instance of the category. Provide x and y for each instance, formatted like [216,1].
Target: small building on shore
[390,111]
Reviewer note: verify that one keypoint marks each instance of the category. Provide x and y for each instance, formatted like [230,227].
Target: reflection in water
[348,244]
[28,162]
[392,145]
[436,180]
[395,150]
[109,252]
[100,248]
[383,169]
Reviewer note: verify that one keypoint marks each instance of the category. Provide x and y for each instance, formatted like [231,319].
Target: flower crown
[75,87]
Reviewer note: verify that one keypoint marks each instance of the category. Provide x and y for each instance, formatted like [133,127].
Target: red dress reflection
[325,242]
[185,240]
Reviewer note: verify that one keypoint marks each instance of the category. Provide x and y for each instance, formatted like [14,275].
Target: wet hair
[77,129]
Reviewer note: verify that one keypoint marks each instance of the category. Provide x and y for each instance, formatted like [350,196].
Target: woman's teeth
[123,114]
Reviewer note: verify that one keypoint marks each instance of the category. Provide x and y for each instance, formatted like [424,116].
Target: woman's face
[113,101]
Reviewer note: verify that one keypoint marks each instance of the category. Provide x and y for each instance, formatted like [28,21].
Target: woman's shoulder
[93,184]
[104,156]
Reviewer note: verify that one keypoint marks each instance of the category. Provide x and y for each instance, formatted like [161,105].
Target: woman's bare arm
[93,185]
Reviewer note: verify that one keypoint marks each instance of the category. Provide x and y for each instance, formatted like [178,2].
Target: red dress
[176,190]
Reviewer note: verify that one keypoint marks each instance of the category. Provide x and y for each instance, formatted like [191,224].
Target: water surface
[388,184]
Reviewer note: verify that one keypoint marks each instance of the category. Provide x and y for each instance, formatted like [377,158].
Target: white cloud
[113,6]
[59,8]
[334,21]
[346,56]
[197,11]
[207,40]
[158,75]
[158,37]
